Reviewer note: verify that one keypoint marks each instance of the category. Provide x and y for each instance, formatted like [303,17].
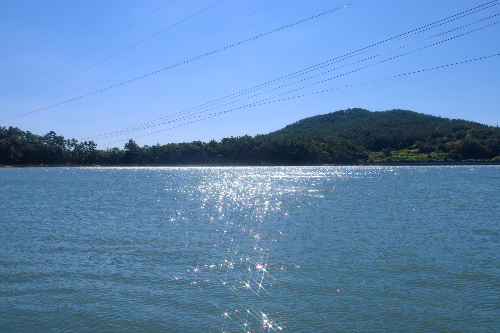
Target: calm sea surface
[250,249]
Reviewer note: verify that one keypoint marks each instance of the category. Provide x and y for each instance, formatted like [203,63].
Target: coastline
[27,166]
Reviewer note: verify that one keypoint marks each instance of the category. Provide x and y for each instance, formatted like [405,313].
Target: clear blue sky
[38,36]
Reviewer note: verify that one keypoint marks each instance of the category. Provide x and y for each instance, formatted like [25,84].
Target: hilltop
[402,135]
[341,137]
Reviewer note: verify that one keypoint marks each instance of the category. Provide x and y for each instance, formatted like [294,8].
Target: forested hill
[395,129]
[346,136]
[398,130]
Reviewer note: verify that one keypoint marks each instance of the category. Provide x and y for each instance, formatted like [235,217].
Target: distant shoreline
[239,165]
[346,137]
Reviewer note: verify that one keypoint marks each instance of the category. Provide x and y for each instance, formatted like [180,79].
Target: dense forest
[342,137]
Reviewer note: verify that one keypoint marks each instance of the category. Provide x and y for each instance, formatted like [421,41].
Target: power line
[142,62]
[22,98]
[320,65]
[90,48]
[366,49]
[308,94]
[306,70]
[154,124]
[193,115]
[195,58]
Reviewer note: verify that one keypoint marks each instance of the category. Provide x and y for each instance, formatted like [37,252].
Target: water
[257,249]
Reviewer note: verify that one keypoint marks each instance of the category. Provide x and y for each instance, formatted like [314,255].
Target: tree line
[18,147]
[342,137]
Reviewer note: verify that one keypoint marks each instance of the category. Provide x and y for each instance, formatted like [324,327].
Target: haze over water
[250,249]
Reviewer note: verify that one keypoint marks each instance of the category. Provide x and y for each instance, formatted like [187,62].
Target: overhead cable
[195,58]
[194,115]
[22,98]
[303,71]
[348,55]
[142,62]
[90,48]
[309,94]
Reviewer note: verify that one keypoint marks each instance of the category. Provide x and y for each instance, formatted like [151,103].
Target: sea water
[250,249]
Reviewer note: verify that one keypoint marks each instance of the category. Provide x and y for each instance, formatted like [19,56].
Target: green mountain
[346,136]
[411,133]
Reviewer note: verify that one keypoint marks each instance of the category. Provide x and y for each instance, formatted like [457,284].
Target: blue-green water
[257,249]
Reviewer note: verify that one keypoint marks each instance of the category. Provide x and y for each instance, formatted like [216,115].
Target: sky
[109,71]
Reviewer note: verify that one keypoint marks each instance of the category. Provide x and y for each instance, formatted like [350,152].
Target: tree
[132,152]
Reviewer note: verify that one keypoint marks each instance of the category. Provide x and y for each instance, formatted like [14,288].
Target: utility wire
[306,70]
[90,48]
[196,58]
[142,62]
[152,123]
[316,83]
[194,115]
[312,93]
[22,98]
[366,49]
